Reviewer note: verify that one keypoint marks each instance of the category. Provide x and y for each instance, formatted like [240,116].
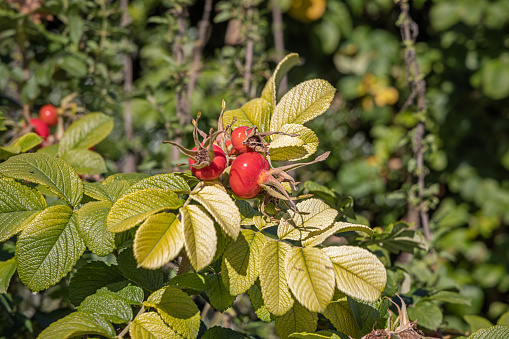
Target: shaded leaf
[107,191]
[340,315]
[218,294]
[150,280]
[218,332]
[7,269]
[297,319]
[450,297]
[255,296]
[476,322]
[427,313]
[85,161]
[189,281]
[109,305]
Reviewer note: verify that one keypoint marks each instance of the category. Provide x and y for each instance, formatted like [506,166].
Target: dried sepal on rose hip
[249,139]
[206,160]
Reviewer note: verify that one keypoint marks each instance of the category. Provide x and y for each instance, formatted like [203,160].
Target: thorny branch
[409,32]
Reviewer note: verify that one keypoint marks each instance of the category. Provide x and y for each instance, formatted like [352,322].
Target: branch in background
[249,51]
[409,32]
[128,74]
[279,43]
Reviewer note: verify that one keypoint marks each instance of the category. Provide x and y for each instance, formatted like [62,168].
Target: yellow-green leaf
[302,103]
[200,239]
[77,324]
[317,237]
[255,295]
[7,269]
[310,276]
[241,261]
[20,145]
[177,309]
[149,325]
[359,273]
[297,319]
[168,181]
[269,91]
[54,173]
[86,132]
[158,240]
[318,215]
[18,205]
[48,248]
[221,206]
[288,148]
[85,161]
[276,293]
[131,209]
[92,227]
[254,112]
[107,191]
[340,315]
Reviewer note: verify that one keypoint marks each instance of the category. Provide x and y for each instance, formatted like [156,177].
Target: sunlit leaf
[317,237]
[78,324]
[20,145]
[108,191]
[92,227]
[255,112]
[200,239]
[7,269]
[167,181]
[109,305]
[85,161]
[297,319]
[269,91]
[494,332]
[149,325]
[86,132]
[292,148]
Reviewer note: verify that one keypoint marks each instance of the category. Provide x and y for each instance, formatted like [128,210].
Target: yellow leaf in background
[275,290]
[359,273]
[200,237]
[288,148]
[221,206]
[310,276]
[254,112]
[302,103]
[158,240]
[317,237]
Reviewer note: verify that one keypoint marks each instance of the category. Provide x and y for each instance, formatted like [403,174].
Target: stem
[128,74]
[249,51]
[126,329]
[279,43]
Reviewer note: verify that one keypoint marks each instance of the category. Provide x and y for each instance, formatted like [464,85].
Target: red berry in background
[239,136]
[41,128]
[48,114]
[213,170]
[247,173]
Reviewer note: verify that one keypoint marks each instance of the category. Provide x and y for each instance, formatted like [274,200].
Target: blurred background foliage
[153,64]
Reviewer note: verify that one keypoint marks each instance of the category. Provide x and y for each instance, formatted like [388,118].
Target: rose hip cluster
[48,117]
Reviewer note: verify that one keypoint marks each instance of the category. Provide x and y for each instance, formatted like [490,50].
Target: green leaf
[92,227]
[7,269]
[86,132]
[494,332]
[53,173]
[302,103]
[247,212]
[194,282]
[107,191]
[48,248]
[450,297]
[221,206]
[218,332]
[76,27]
[255,112]
[444,15]
[359,273]
[132,209]
[317,237]
[493,79]
[219,295]
[428,314]
[85,161]
[19,204]
[340,315]
[255,295]
[151,280]
[200,239]
[310,276]
[21,145]
[242,261]
[77,324]
[288,148]
[169,181]
[149,325]
[274,287]
[158,240]
[366,314]
[476,322]
[177,309]
[297,319]
[503,319]
[74,66]
[91,277]
[109,305]
[270,90]
[318,215]
[125,176]
[132,294]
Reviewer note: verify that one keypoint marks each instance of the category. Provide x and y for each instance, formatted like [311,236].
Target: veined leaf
[340,315]
[85,161]
[219,296]
[200,239]
[256,298]
[288,148]
[132,294]
[86,132]
[131,209]
[151,280]
[54,173]
[7,269]
[476,322]
[20,145]
[247,212]
[493,332]
[302,103]
[297,319]
[167,181]
[158,240]
[318,216]
[189,281]
[359,273]
[255,112]
[48,248]
[221,206]
[125,176]
[269,91]
[108,192]
[109,305]
[318,335]
[92,227]
[317,237]
[218,332]
[274,287]
[310,276]
[241,261]
[77,324]
[18,205]
[177,309]
[149,325]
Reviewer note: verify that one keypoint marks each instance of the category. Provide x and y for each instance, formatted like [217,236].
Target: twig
[249,51]
[126,329]
[128,74]
[409,32]
[279,43]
